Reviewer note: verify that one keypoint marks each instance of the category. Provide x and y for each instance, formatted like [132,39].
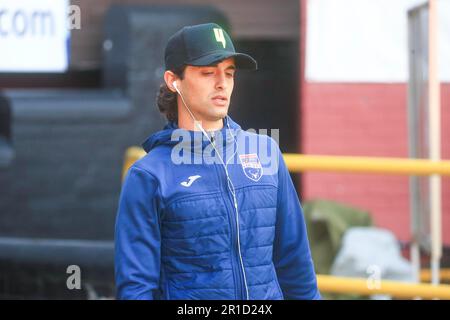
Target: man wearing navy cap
[209,213]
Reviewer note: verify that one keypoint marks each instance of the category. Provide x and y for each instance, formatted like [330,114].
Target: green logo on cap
[218,33]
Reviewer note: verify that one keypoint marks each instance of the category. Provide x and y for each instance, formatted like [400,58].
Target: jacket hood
[164,137]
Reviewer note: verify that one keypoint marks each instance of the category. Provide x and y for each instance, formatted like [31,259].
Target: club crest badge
[251,166]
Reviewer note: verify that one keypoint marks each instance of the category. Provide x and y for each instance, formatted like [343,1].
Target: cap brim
[242,60]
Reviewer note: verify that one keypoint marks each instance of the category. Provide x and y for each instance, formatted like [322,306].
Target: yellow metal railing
[395,289]
[425,275]
[301,162]
[398,166]
[132,154]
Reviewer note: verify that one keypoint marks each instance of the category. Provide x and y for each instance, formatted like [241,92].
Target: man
[208,213]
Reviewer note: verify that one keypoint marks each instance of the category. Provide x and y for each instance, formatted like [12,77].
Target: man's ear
[169,78]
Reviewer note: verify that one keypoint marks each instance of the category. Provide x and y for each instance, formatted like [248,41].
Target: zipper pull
[212,139]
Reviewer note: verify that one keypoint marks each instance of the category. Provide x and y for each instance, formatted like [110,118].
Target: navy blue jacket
[186,231]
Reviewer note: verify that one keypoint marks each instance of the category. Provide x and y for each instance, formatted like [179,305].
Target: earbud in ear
[175,85]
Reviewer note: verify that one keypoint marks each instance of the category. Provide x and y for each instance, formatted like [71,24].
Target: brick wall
[363,120]
[366,120]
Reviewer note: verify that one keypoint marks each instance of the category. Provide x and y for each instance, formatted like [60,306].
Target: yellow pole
[131,156]
[425,275]
[301,162]
[400,166]
[395,289]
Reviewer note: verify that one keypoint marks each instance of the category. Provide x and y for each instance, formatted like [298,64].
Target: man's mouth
[220,100]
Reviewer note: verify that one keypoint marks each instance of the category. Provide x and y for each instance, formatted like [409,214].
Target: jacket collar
[172,135]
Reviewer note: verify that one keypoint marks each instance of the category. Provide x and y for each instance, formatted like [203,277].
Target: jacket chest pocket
[195,225]
[259,202]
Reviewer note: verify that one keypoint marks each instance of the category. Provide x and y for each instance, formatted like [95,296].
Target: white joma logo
[190,181]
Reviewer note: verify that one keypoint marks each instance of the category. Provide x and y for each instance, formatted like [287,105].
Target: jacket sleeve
[292,255]
[137,238]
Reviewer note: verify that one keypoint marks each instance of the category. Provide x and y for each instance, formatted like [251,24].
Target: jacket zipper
[245,294]
[242,278]
[243,288]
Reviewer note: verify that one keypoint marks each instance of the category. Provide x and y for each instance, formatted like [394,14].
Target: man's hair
[167,100]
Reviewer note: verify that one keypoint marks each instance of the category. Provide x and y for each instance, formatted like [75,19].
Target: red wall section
[365,120]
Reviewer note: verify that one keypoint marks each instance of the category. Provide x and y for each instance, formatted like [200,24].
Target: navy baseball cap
[203,45]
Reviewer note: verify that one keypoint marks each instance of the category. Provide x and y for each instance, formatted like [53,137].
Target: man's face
[207,89]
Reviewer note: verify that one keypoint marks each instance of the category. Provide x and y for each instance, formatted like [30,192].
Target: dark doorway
[269,98]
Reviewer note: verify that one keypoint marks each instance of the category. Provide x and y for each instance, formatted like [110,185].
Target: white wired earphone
[197,123]
[229,182]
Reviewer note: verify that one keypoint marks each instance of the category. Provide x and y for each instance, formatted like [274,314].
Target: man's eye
[206,73]
[230,74]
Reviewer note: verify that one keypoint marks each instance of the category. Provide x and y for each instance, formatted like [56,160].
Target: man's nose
[220,81]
